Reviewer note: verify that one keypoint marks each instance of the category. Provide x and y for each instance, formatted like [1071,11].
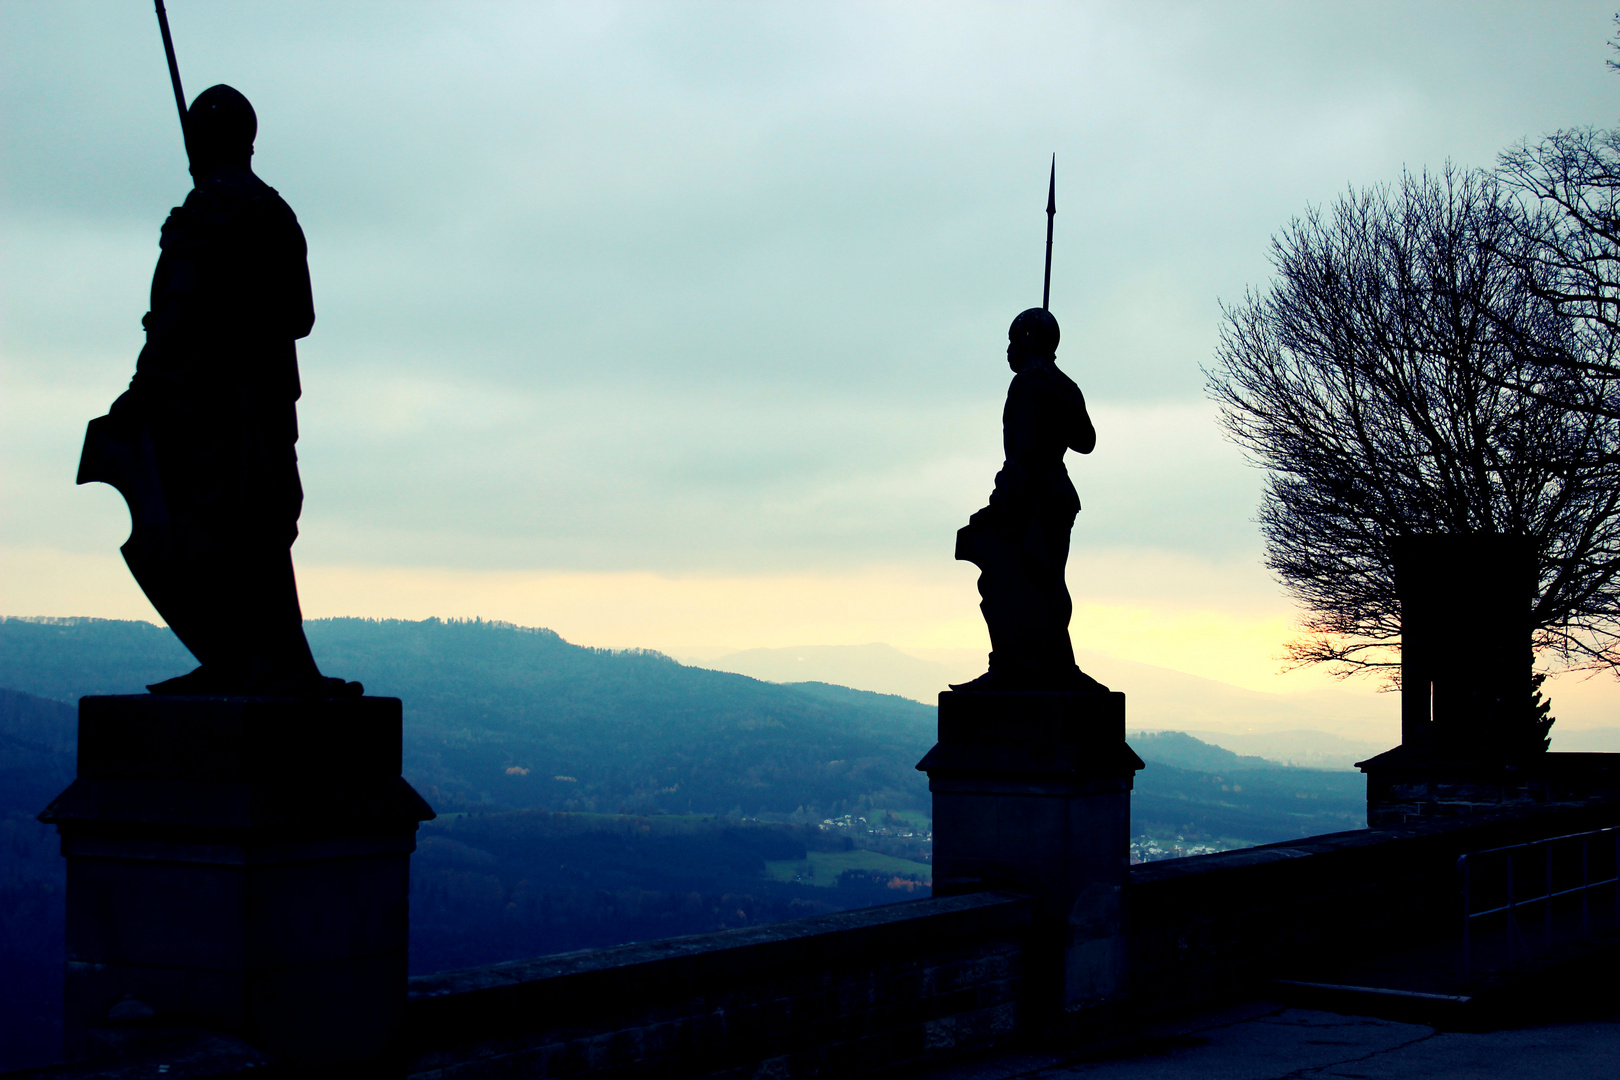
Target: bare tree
[1385,381]
[1570,181]
[1569,251]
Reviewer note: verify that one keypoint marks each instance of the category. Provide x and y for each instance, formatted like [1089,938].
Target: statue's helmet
[220,125]
[1036,331]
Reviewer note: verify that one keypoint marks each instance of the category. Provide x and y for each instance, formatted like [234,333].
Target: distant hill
[1245,806]
[66,659]
[37,738]
[37,742]
[500,718]
[1309,749]
[1320,728]
[590,797]
[876,667]
[504,718]
[1178,749]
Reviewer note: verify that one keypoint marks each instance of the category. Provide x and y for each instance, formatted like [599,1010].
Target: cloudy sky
[682,325]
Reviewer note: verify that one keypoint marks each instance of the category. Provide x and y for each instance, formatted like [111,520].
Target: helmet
[220,125]
[1035,330]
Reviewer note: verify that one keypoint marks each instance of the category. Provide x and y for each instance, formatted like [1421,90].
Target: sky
[682,326]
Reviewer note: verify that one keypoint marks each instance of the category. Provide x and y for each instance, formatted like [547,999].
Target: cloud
[717,293]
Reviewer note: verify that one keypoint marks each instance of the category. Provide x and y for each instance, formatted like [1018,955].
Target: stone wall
[1207,925]
[833,995]
[1416,783]
[925,980]
[893,987]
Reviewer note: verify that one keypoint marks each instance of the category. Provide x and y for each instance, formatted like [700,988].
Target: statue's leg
[1013,604]
[1058,648]
[1005,599]
[1033,608]
[281,659]
[1026,602]
[1000,619]
[195,595]
[168,581]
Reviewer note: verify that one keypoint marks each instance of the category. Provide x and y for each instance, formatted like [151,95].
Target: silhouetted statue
[201,445]
[1020,542]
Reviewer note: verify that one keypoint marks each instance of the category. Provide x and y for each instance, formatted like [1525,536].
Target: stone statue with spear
[1020,541]
[201,445]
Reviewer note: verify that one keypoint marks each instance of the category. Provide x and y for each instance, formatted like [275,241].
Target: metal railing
[1539,872]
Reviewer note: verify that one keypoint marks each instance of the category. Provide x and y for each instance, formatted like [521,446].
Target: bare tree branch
[1416,367]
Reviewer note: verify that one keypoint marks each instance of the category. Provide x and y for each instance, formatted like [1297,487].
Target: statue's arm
[1082,437]
[300,297]
[1020,419]
[174,289]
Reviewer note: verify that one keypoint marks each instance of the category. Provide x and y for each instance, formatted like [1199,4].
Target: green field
[915,819]
[562,823]
[823,867]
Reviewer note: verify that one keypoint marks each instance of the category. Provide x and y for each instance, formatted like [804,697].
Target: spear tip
[1051,211]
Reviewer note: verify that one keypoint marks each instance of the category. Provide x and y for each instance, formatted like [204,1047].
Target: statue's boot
[205,681]
[990,681]
[201,681]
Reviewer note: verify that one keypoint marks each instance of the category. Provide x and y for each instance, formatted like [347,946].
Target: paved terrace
[1267,1040]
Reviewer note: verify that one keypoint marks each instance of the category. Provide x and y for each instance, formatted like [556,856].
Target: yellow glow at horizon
[1232,638]
[1235,644]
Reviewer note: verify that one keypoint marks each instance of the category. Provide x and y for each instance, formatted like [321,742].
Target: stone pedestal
[1466,694]
[241,865]
[1032,794]
[1417,783]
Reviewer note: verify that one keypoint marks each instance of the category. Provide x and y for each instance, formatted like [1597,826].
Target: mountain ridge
[1348,727]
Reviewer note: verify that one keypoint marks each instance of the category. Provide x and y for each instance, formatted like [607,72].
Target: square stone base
[240,865]
[1032,795]
[1420,782]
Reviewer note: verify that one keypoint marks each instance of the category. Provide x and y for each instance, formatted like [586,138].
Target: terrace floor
[1268,1040]
[1532,1000]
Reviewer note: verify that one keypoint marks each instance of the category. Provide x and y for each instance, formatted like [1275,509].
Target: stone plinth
[1416,783]
[241,865]
[1032,795]
[1468,692]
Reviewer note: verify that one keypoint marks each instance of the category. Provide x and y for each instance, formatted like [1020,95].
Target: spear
[174,68]
[1051,212]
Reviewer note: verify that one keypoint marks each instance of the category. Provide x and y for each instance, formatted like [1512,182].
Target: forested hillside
[36,762]
[503,718]
[589,797]
[499,718]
